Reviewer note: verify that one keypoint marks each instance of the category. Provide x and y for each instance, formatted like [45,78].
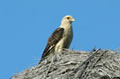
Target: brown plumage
[52,41]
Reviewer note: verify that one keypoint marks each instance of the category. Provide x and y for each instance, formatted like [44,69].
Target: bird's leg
[58,56]
[58,52]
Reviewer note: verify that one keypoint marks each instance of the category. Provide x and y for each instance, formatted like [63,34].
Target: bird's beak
[73,20]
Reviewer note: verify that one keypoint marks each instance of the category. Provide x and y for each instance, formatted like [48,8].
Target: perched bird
[60,38]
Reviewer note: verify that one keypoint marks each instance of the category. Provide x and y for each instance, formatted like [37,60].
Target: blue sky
[25,26]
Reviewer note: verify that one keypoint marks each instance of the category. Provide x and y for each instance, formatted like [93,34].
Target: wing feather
[52,41]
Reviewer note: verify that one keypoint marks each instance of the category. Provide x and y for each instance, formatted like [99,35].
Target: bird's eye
[68,17]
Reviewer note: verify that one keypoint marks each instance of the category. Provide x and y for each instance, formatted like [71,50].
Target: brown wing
[52,41]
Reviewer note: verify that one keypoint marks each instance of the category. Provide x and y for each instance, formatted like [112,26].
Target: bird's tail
[40,61]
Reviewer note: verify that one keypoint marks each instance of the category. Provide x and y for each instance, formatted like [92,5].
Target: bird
[61,38]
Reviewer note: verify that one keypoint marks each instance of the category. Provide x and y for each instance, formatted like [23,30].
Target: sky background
[25,26]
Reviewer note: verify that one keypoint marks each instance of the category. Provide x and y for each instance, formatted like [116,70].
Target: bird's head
[67,19]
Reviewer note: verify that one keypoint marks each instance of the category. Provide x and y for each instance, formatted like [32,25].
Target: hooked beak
[73,20]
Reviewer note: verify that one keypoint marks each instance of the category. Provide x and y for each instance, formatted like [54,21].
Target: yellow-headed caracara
[60,38]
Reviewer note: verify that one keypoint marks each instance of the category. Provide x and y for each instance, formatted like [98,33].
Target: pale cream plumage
[65,42]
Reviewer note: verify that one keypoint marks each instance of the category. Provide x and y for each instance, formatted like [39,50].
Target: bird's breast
[65,40]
